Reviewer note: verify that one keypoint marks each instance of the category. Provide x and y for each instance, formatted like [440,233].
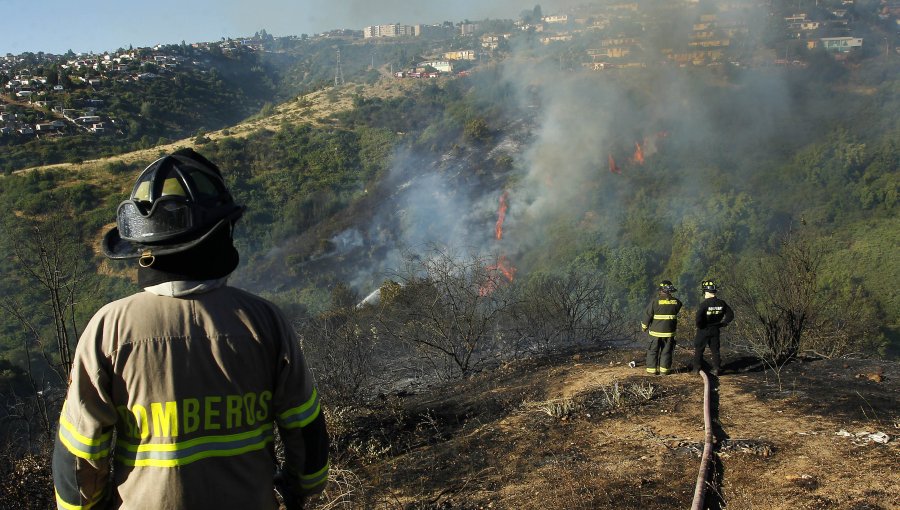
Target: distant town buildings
[442,66]
[617,35]
[460,55]
[468,28]
[841,44]
[556,18]
[391,30]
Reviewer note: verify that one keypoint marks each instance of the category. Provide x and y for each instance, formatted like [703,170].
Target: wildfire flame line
[613,167]
[503,266]
[501,216]
[638,154]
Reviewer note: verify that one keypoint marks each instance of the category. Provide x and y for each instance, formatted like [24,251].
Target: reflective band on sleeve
[657,334]
[315,479]
[69,506]
[663,317]
[301,416]
[80,445]
[186,452]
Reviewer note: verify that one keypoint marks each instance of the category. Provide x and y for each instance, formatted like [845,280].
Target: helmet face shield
[168,217]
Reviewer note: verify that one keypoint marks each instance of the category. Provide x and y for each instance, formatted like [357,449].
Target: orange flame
[501,215]
[503,267]
[612,166]
[638,154]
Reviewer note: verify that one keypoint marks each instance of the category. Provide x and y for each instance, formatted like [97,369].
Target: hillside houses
[36,102]
[613,35]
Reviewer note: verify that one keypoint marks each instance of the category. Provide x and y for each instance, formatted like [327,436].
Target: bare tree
[449,308]
[786,308]
[49,270]
[36,404]
[50,258]
[341,347]
[559,310]
[775,297]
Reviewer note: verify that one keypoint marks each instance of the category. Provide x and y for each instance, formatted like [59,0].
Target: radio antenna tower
[339,71]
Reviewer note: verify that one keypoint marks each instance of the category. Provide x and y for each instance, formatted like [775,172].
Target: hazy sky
[56,26]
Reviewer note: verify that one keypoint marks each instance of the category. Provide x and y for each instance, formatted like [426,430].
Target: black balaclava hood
[214,258]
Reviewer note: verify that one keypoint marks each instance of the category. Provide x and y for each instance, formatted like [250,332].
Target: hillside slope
[315,108]
[586,431]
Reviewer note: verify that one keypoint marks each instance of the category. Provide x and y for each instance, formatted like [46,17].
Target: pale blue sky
[55,26]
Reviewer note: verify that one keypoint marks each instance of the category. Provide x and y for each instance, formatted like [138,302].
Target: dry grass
[315,108]
[596,434]
[26,482]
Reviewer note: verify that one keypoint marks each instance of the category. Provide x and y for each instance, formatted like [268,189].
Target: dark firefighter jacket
[713,313]
[661,317]
[182,395]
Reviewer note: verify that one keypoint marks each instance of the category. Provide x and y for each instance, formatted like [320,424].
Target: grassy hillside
[540,207]
[345,181]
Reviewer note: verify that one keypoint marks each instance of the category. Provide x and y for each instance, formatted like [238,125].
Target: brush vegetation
[782,184]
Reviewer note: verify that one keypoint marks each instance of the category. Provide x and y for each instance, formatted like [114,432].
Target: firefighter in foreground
[192,375]
[712,315]
[660,321]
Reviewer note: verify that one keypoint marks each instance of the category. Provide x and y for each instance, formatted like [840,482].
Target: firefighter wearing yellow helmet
[176,392]
[712,315]
[660,321]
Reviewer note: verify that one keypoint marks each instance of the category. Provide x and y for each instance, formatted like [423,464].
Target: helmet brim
[117,248]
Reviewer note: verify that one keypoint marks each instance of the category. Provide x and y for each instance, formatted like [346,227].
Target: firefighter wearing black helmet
[180,388]
[712,315]
[660,321]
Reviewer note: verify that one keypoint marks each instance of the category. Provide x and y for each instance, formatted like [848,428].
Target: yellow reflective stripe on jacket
[186,452]
[663,317]
[60,503]
[315,479]
[80,445]
[668,301]
[657,334]
[302,415]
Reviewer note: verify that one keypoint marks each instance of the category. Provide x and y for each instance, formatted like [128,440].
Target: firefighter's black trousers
[707,337]
[659,354]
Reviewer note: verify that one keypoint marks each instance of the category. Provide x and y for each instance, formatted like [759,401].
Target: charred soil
[584,430]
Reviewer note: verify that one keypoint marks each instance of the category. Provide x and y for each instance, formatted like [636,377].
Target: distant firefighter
[660,321]
[712,315]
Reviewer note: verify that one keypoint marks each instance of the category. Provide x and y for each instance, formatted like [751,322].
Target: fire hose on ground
[703,475]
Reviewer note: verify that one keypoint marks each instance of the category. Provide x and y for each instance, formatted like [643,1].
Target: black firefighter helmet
[667,287]
[178,201]
[709,286]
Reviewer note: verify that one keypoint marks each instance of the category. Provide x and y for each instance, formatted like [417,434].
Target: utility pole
[339,71]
